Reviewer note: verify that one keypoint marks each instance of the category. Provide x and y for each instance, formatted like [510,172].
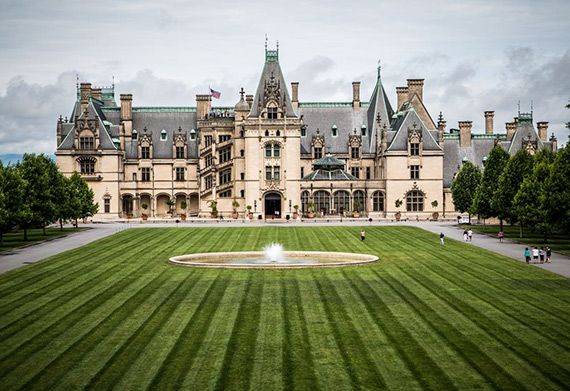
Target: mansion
[272,152]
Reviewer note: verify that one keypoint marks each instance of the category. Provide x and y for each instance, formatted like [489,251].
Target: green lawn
[557,242]
[16,239]
[115,314]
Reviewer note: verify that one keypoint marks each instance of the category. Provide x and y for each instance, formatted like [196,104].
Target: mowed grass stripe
[298,363]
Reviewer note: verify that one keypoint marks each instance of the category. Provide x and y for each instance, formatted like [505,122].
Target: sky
[474,56]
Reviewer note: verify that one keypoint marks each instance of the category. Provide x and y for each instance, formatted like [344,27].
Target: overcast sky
[473,55]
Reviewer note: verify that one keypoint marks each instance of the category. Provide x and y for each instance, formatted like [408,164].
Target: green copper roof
[329,162]
[329,175]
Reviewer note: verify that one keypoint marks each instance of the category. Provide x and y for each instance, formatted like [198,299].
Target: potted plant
[397,204]
[170,204]
[311,207]
[213,204]
[144,205]
[129,205]
[356,208]
[183,206]
[296,214]
[435,214]
[250,215]
[235,205]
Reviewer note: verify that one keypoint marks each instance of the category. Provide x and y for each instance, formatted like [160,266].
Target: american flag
[215,94]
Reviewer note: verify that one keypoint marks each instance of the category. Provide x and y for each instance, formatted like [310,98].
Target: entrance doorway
[272,205]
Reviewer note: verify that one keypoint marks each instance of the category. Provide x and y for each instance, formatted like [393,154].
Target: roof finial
[277,45]
[379,67]
[266,42]
[113,85]
[77,83]
[519,106]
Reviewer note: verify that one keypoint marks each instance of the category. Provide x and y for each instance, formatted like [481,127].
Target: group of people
[468,235]
[538,255]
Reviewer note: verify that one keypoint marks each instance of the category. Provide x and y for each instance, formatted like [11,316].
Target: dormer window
[318,152]
[145,152]
[163,136]
[86,142]
[414,149]
[354,152]
[135,135]
[272,113]
[303,131]
[192,135]
[334,131]
[363,130]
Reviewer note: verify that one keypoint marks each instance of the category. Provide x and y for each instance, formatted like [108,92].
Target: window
[134,176]
[341,201]
[208,160]
[278,133]
[225,176]
[363,130]
[276,173]
[242,176]
[268,150]
[208,182]
[224,138]
[378,201]
[179,152]
[107,205]
[276,150]
[145,172]
[303,131]
[355,171]
[192,135]
[241,133]
[208,141]
[225,194]
[163,136]
[145,152]
[179,173]
[242,152]
[414,172]
[304,201]
[318,152]
[322,201]
[359,197]
[355,152]
[135,135]
[267,133]
[415,201]
[242,193]
[267,173]
[86,142]
[225,155]
[334,131]
[367,172]
[87,167]
[302,172]
[414,149]
[272,112]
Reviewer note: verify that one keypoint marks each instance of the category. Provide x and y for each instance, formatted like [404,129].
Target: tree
[494,167]
[84,198]
[510,181]
[464,187]
[11,199]
[557,191]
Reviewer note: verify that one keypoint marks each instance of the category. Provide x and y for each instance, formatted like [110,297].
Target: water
[274,253]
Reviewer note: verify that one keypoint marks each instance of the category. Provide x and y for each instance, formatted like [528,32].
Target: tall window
[179,152]
[359,196]
[208,160]
[302,172]
[334,131]
[378,201]
[145,152]
[367,172]
[414,172]
[268,173]
[363,130]
[242,176]
[276,172]
[179,173]
[276,150]
[272,112]
[225,176]
[208,182]
[135,135]
[415,201]
[415,149]
[225,155]
[355,152]
[341,201]
[303,131]
[208,141]
[242,152]
[145,173]
[318,152]
[107,205]
[86,142]
[355,171]
[304,201]
[134,176]
[322,201]
[242,193]
[87,167]
[268,150]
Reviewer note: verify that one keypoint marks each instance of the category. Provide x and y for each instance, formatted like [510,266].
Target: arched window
[278,133]
[267,133]
[268,150]
[358,200]
[415,201]
[378,201]
[322,201]
[341,201]
[275,149]
[304,201]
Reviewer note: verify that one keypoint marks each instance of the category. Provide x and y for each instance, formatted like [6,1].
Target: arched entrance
[272,205]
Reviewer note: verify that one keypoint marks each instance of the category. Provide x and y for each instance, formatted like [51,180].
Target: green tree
[11,199]
[82,198]
[464,187]
[494,167]
[557,191]
[510,181]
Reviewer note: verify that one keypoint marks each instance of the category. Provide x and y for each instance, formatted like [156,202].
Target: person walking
[548,254]
[535,255]
[362,235]
[541,254]
[470,234]
[441,236]
[501,234]
[465,234]
[527,255]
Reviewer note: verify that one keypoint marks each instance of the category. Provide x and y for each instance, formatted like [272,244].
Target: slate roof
[399,141]
[270,68]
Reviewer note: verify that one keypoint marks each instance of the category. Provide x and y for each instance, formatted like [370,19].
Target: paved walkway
[23,256]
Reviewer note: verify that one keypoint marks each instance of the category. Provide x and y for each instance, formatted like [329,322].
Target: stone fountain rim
[186,260]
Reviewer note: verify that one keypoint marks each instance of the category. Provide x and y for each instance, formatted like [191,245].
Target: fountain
[273,256]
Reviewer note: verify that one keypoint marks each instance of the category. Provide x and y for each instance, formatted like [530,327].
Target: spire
[271,55]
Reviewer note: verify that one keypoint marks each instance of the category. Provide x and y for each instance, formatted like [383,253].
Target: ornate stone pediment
[415,134]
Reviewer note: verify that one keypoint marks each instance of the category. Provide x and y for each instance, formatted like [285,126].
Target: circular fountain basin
[259,260]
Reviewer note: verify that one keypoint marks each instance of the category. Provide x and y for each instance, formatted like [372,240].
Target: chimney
[85,89]
[416,86]
[554,143]
[60,130]
[295,95]
[542,130]
[402,96]
[203,105]
[249,100]
[96,93]
[126,107]
[356,95]
[465,133]
[510,127]
[489,122]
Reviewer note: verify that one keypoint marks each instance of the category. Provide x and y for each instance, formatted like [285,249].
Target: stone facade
[272,152]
